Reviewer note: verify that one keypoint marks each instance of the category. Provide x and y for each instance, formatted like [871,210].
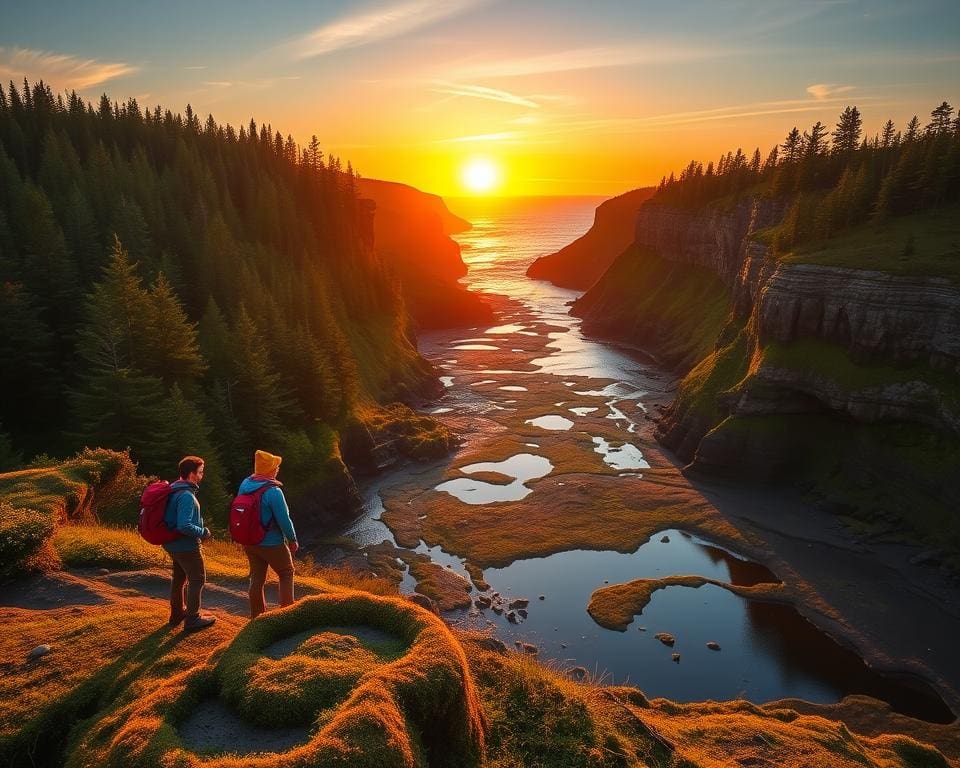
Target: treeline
[171,285]
[830,180]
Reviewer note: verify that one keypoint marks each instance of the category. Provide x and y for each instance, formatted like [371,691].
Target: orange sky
[566,97]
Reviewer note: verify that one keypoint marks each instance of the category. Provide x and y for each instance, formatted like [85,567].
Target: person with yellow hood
[279,542]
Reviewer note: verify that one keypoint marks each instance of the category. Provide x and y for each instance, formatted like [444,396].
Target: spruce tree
[172,352]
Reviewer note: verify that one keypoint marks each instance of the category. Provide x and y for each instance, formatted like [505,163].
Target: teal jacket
[274,513]
[183,514]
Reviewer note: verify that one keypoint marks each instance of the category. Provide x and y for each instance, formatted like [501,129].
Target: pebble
[665,637]
[543,597]
[665,540]
[40,650]
[713,646]
[676,658]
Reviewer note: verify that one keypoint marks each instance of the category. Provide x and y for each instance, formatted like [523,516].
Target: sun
[480,175]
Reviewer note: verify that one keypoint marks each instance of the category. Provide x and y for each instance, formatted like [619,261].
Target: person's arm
[187,507]
[281,513]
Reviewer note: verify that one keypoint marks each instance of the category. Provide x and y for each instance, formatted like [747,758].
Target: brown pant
[279,559]
[188,571]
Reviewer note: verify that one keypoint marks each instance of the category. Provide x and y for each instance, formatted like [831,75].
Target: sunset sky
[560,97]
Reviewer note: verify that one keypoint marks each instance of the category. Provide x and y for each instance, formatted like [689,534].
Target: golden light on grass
[481,176]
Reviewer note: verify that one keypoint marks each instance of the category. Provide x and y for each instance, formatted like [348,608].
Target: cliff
[580,264]
[814,366]
[411,233]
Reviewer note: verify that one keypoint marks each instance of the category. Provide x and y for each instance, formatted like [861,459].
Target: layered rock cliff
[845,378]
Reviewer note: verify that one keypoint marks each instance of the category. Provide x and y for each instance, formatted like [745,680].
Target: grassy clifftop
[351,675]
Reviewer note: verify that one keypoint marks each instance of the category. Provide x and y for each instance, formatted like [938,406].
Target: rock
[40,650]
[542,597]
[512,617]
[530,648]
[518,644]
[578,673]
[665,540]
[424,602]
[520,602]
[675,657]
[492,644]
[713,646]
[482,601]
[522,613]
[103,571]
[497,608]
[666,638]
[641,629]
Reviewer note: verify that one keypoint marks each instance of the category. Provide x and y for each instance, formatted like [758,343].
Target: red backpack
[153,510]
[245,524]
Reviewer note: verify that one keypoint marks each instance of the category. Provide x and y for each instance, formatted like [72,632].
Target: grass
[675,310]
[831,362]
[925,244]
[87,546]
[117,685]
[419,707]
[33,502]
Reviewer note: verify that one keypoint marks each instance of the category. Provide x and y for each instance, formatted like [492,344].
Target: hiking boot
[194,623]
[176,617]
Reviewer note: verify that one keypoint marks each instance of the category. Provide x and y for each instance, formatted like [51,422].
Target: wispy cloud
[826,90]
[502,136]
[586,58]
[377,24]
[482,92]
[59,69]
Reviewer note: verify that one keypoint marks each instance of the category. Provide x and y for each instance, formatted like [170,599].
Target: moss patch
[926,244]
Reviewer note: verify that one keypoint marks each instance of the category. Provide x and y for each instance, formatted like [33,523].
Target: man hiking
[183,515]
[279,543]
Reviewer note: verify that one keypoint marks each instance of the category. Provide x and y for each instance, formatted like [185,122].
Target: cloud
[585,58]
[502,136]
[481,92]
[59,69]
[377,24]
[826,90]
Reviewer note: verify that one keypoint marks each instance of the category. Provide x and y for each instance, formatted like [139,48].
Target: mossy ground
[117,684]
[925,244]
[646,299]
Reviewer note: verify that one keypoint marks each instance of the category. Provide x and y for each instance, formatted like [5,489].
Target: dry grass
[601,515]
[394,713]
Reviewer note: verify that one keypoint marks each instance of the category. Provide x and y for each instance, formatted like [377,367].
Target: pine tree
[846,137]
[32,374]
[172,353]
[886,138]
[258,400]
[191,434]
[793,146]
[815,142]
[113,336]
[940,120]
[913,130]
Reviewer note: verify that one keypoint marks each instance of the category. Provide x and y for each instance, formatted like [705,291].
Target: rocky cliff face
[821,372]
[411,232]
[873,315]
[580,264]
[710,238]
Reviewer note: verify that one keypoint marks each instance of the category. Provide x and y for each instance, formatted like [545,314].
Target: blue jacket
[183,514]
[274,513]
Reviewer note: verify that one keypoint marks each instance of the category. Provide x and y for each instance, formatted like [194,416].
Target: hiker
[182,514]
[279,543]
